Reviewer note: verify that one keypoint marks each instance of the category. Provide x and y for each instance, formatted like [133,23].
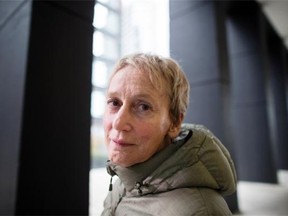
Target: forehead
[131,79]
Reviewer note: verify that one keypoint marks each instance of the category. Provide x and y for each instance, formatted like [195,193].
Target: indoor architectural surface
[232,53]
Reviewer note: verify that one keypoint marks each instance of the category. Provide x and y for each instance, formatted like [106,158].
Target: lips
[121,143]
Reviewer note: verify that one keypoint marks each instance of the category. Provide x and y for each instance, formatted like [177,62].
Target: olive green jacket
[188,177]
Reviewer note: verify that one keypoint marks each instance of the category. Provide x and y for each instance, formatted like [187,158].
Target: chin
[116,160]
[124,163]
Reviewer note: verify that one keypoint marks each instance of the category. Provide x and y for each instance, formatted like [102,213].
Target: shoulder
[181,202]
[214,157]
[214,202]
[192,201]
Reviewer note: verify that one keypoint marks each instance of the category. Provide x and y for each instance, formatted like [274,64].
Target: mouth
[121,143]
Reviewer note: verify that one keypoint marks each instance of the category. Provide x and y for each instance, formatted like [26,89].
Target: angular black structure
[45,75]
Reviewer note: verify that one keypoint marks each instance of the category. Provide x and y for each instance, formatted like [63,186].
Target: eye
[113,103]
[144,107]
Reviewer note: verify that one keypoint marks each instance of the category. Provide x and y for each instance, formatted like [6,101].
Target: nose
[122,120]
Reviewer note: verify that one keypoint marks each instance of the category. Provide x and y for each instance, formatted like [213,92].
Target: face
[136,119]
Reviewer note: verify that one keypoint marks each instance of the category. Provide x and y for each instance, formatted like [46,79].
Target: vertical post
[248,92]
[277,100]
[198,42]
[14,34]
[54,158]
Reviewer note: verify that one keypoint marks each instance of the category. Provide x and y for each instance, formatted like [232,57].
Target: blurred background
[55,61]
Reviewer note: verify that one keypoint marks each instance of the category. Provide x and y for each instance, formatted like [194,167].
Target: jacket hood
[194,159]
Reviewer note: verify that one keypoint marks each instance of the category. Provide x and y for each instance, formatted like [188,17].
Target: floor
[257,199]
[254,199]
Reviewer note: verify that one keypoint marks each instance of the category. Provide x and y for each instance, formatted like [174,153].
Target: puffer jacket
[188,177]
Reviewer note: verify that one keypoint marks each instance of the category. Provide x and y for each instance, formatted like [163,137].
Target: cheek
[107,123]
[107,119]
[153,132]
[165,123]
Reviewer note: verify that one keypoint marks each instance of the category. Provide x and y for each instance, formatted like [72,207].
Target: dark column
[286,76]
[45,69]
[277,101]
[249,104]
[14,34]
[198,42]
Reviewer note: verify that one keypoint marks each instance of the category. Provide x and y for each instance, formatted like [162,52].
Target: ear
[175,128]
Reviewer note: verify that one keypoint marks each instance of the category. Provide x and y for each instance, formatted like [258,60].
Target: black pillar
[286,76]
[198,42]
[14,34]
[45,70]
[250,123]
[277,100]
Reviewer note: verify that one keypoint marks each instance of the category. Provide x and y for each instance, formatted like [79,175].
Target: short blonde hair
[164,74]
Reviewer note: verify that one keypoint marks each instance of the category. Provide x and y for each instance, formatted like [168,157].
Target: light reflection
[101,15]
[97,104]
[98,43]
[99,74]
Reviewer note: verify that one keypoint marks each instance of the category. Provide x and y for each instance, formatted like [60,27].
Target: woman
[164,167]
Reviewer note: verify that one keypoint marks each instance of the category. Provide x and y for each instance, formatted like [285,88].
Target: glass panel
[140,32]
[105,46]
[111,48]
[112,3]
[113,24]
[106,49]
[110,69]
[98,149]
[105,19]
[121,27]
[97,104]
[99,74]
[100,16]
[98,43]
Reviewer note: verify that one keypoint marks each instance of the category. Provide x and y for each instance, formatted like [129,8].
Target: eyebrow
[141,95]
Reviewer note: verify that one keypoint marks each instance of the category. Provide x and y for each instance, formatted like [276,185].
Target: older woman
[164,167]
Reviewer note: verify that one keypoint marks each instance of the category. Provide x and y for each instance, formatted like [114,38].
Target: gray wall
[277,97]
[237,67]
[250,120]
[198,42]
[14,37]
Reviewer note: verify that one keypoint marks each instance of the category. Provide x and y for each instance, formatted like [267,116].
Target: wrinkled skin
[136,119]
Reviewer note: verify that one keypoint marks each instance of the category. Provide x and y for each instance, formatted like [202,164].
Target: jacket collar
[132,177]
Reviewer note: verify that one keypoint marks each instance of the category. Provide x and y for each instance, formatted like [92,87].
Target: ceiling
[277,13]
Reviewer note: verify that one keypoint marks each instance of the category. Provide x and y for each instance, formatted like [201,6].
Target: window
[106,50]
[121,27]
